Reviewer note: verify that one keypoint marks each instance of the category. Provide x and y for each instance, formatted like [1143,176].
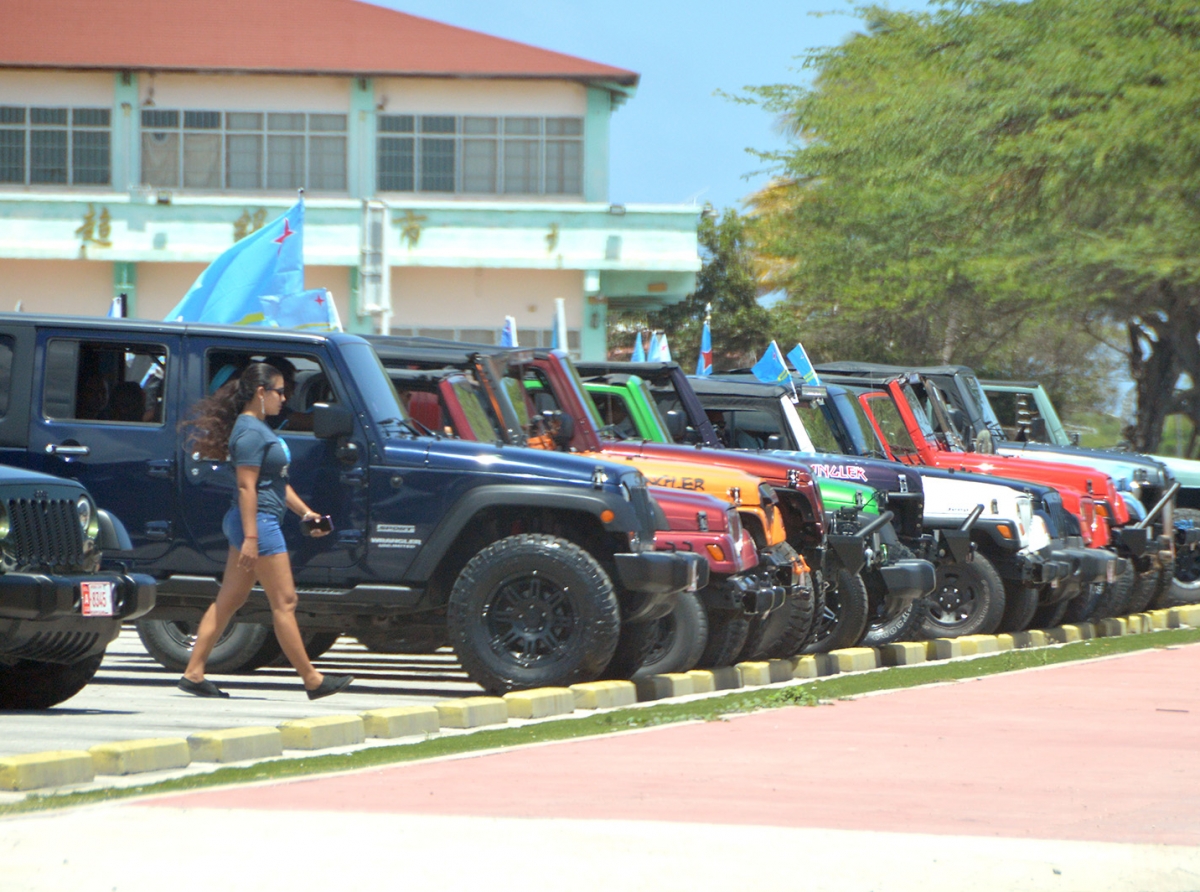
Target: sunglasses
[282,391]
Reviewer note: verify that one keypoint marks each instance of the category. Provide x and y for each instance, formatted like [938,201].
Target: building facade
[451,178]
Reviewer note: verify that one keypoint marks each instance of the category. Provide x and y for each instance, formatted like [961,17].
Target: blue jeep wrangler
[528,563]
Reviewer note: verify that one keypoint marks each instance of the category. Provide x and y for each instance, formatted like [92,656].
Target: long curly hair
[210,421]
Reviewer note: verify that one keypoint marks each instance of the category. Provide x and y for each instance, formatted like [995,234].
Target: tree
[965,184]
[740,326]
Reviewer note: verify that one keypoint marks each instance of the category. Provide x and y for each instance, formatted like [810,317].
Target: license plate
[1112,571]
[96,598]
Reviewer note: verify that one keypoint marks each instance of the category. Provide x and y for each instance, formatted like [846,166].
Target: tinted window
[104,382]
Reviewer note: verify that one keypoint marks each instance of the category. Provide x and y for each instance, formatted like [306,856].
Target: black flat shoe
[330,685]
[200,688]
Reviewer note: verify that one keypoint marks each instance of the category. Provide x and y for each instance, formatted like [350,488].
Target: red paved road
[1100,750]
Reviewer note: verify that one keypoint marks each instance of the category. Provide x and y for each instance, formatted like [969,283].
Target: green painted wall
[357,324]
[126,127]
[595,144]
[360,146]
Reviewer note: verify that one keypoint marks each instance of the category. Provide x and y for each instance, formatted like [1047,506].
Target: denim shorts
[270,536]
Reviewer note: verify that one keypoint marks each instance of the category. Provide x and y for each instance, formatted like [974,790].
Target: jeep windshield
[378,393]
[863,439]
[983,406]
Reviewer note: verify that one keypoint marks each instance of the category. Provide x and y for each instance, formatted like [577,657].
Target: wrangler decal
[695,484]
[840,472]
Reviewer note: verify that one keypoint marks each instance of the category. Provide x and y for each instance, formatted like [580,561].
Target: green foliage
[726,283]
[993,184]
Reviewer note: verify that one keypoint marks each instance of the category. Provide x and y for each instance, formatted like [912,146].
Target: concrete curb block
[1158,619]
[1112,628]
[1032,638]
[539,703]
[982,644]
[660,687]
[807,666]
[902,653]
[604,694]
[726,678]
[1188,615]
[1004,642]
[136,756]
[472,712]
[400,721]
[53,769]
[754,673]
[854,659]
[322,733]
[944,649]
[235,744]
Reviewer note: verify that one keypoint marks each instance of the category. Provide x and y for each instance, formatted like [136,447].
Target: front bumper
[41,616]
[908,579]
[652,580]
[44,597]
[1065,570]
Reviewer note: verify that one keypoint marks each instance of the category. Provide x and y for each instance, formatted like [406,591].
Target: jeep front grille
[44,533]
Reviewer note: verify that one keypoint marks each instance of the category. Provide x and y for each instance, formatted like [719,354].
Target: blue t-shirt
[252,443]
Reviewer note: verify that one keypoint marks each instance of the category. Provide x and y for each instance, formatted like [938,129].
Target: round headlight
[89,522]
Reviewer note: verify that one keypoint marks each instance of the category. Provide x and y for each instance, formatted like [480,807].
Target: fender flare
[447,532]
[113,535]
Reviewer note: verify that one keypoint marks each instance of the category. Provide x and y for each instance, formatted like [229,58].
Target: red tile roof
[278,36]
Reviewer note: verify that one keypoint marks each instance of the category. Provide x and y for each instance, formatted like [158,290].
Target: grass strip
[809,693]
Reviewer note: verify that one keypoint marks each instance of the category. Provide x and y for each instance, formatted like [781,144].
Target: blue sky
[675,141]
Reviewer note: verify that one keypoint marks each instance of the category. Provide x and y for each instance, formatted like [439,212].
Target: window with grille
[55,146]
[244,151]
[479,155]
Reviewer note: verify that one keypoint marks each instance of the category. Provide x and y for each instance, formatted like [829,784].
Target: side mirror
[677,425]
[774,441]
[1037,430]
[331,422]
[1074,438]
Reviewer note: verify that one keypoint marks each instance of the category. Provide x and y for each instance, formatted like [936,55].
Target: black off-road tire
[170,643]
[533,611]
[843,617]
[1114,598]
[1146,587]
[903,626]
[1185,582]
[633,648]
[783,632]
[1049,616]
[1082,607]
[727,631]
[1020,604]
[968,600]
[679,638]
[315,644]
[31,684]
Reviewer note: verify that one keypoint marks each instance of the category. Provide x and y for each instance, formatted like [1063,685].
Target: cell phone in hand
[322,524]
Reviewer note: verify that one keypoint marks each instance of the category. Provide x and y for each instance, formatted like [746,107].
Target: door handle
[63,449]
[162,468]
[354,479]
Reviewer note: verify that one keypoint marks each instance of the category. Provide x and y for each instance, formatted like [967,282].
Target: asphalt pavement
[133,697]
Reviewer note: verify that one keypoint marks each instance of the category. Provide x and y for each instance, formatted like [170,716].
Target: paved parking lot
[134,697]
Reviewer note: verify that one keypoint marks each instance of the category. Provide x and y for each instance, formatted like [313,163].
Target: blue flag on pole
[771,369]
[802,364]
[639,352]
[266,263]
[704,360]
[652,350]
[664,349]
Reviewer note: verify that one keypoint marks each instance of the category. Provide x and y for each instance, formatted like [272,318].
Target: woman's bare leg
[275,574]
[235,589]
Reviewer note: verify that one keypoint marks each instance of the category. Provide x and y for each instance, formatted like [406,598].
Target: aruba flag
[771,369]
[802,364]
[269,262]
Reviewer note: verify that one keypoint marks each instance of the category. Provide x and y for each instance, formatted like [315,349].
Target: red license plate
[96,598]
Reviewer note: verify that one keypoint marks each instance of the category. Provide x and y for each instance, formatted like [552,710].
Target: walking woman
[231,421]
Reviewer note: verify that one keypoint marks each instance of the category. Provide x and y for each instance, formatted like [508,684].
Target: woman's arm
[247,484]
